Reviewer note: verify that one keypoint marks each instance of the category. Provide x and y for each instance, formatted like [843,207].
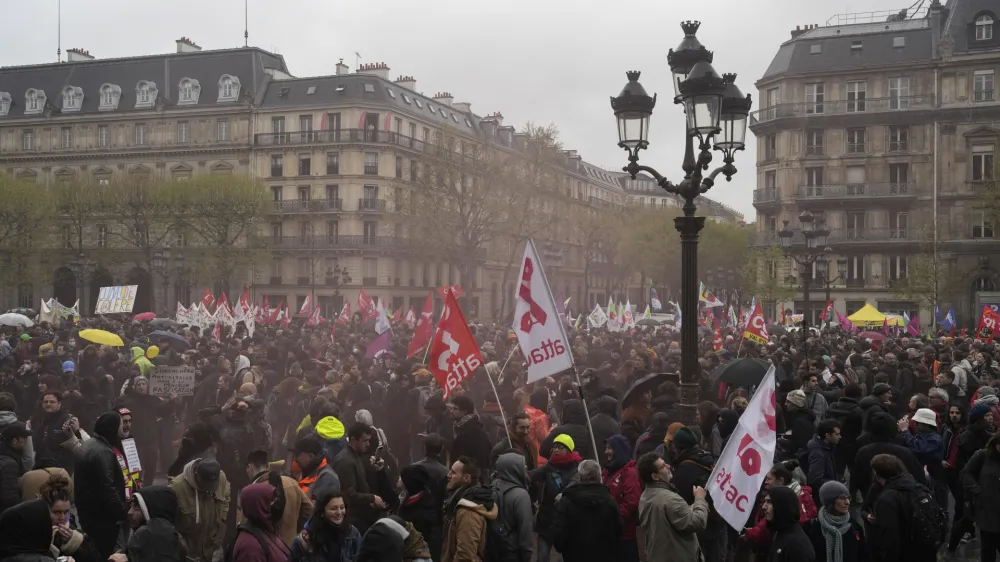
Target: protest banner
[131,454]
[113,300]
[172,380]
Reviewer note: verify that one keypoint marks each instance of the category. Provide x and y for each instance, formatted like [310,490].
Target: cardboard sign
[165,381]
[131,454]
[113,300]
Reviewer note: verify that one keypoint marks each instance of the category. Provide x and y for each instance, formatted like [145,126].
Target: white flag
[540,333]
[250,320]
[597,318]
[628,316]
[748,456]
[382,320]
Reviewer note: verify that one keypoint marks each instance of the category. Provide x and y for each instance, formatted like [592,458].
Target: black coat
[587,523]
[553,481]
[11,470]
[100,491]
[605,422]
[575,425]
[848,412]
[47,437]
[981,482]
[789,542]
[802,424]
[853,541]
[472,440]
[889,535]
[883,432]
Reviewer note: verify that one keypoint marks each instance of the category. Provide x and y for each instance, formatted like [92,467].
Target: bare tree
[25,210]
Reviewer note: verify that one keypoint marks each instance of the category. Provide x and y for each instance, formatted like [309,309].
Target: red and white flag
[411,318]
[245,303]
[454,352]
[307,306]
[540,333]
[456,288]
[345,314]
[286,319]
[207,299]
[756,330]
[366,306]
[217,332]
[424,329]
[748,456]
[314,318]
[397,317]
[223,304]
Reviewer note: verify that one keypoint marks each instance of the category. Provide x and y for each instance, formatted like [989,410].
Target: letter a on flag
[454,352]
[540,333]
[748,456]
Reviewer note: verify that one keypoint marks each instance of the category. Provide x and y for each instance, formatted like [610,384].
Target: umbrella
[165,322]
[776,330]
[102,337]
[647,322]
[647,382]
[874,336]
[15,319]
[176,339]
[144,316]
[29,312]
[745,372]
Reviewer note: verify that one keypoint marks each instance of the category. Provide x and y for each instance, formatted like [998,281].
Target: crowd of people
[291,446]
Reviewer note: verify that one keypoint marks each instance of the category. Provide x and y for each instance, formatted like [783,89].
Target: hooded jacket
[981,482]
[423,503]
[884,433]
[139,359]
[467,511]
[383,542]
[255,500]
[11,471]
[202,514]
[472,440]
[848,412]
[510,494]
[889,538]
[28,453]
[157,540]
[26,533]
[789,542]
[100,485]
[605,421]
[670,525]
[574,424]
[821,467]
[622,480]
[587,524]
[297,510]
[330,431]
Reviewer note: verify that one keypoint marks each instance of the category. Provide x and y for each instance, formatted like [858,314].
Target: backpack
[499,537]
[265,545]
[929,522]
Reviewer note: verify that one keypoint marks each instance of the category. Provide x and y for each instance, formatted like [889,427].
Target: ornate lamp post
[823,264]
[815,247]
[336,277]
[716,118]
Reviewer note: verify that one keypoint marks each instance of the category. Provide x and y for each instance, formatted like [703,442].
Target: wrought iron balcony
[854,191]
[333,242]
[345,136]
[841,107]
[308,205]
[766,195]
[371,205]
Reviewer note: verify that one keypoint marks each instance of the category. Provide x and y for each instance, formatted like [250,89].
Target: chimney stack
[444,98]
[379,69]
[342,68]
[77,55]
[185,45]
[462,107]
[799,30]
[408,82]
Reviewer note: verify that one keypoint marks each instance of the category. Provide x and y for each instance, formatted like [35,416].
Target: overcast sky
[545,61]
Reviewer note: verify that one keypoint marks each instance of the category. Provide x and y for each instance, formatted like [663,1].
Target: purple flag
[845,323]
[379,345]
[913,328]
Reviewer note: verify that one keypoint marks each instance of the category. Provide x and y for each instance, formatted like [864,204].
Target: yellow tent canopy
[869,317]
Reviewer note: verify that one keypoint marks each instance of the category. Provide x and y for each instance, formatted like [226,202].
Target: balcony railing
[983,95]
[371,205]
[342,136]
[308,205]
[856,190]
[841,107]
[766,195]
[841,236]
[342,241]
[371,169]
[369,281]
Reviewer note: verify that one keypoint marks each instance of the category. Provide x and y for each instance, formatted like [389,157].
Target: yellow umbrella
[102,337]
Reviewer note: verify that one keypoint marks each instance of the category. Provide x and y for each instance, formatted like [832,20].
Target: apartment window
[370,266]
[277,165]
[899,92]
[856,140]
[898,225]
[28,139]
[816,49]
[277,193]
[278,129]
[305,165]
[981,226]
[982,85]
[102,236]
[427,134]
[413,133]
[371,163]
[815,94]
[222,130]
[856,180]
[332,192]
[305,193]
[770,179]
[305,230]
[856,268]
[856,95]
[814,142]
[67,237]
[141,134]
[399,167]
[332,163]
[857,44]
[984,28]
[103,136]
[183,132]
[305,268]
[771,104]
[276,231]
[771,224]
[370,192]
[771,147]
[305,123]
[897,268]
[982,162]
[66,137]
[854,222]
[398,126]
[413,170]
[332,230]
[899,175]
[898,42]
[370,232]
[899,138]
[814,182]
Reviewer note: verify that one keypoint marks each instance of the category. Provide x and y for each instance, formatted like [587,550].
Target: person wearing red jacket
[620,476]
[758,535]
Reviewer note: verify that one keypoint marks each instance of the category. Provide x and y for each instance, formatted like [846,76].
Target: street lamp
[815,246]
[335,277]
[82,268]
[823,264]
[716,117]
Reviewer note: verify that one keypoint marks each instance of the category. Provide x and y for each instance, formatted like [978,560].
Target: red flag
[245,299]
[217,332]
[267,307]
[756,330]
[783,321]
[425,328]
[885,326]
[964,332]
[456,288]
[411,318]
[286,319]
[397,316]
[207,299]
[314,318]
[223,302]
[345,314]
[828,312]
[454,352]
[366,306]
[307,306]
[989,321]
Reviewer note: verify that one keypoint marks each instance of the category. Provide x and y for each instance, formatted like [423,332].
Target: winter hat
[829,492]
[797,397]
[68,367]
[880,388]
[987,391]
[978,412]
[684,438]
[672,430]
[565,440]
[25,337]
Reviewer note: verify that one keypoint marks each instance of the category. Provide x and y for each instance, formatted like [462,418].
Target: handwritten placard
[172,380]
[131,455]
[112,300]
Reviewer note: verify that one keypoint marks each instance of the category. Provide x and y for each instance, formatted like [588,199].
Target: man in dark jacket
[152,516]
[510,494]
[471,439]
[363,506]
[789,542]
[518,442]
[100,484]
[12,440]
[420,508]
[890,531]
[820,464]
[553,477]
[847,411]
[691,468]
[605,421]
[801,421]
[885,439]
[587,523]
[574,424]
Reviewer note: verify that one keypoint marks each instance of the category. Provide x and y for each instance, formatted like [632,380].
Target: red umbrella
[144,317]
[874,336]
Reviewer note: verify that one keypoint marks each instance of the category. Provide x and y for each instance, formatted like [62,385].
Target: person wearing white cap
[928,446]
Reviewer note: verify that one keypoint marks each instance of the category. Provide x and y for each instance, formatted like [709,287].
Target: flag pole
[497,394]
[586,412]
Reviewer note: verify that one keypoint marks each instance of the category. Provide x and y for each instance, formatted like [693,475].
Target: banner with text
[113,300]
[540,333]
[172,380]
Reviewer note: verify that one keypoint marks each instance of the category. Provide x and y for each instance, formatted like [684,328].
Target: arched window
[984,284]
[227,87]
[144,92]
[187,91]
[32,99]
[107,95]
[984,28]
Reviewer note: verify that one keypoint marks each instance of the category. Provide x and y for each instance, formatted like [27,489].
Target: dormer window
[188,91]
[229,88]
[984,28]
[110,94]
[72,98]
[34,101]
[4,103]
[145,94]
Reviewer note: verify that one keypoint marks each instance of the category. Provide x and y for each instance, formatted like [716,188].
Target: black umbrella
[776,329]
[174,339]
[647,322]
[744,372]
[165,322]
[647,382]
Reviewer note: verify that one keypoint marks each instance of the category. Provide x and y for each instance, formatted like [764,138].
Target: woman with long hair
[327,536]
[58,496]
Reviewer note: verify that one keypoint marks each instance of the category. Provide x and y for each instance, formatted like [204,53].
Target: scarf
[564,461]
[464,420]
[326,537]
[834,527]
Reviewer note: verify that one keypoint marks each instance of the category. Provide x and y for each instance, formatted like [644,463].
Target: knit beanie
[829,492]
[978,412]
[684,439]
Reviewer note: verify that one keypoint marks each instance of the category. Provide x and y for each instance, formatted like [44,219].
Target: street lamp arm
[728,169]
[634,168]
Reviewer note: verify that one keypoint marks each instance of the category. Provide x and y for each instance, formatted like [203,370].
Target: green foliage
[25,210]
[759,272]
